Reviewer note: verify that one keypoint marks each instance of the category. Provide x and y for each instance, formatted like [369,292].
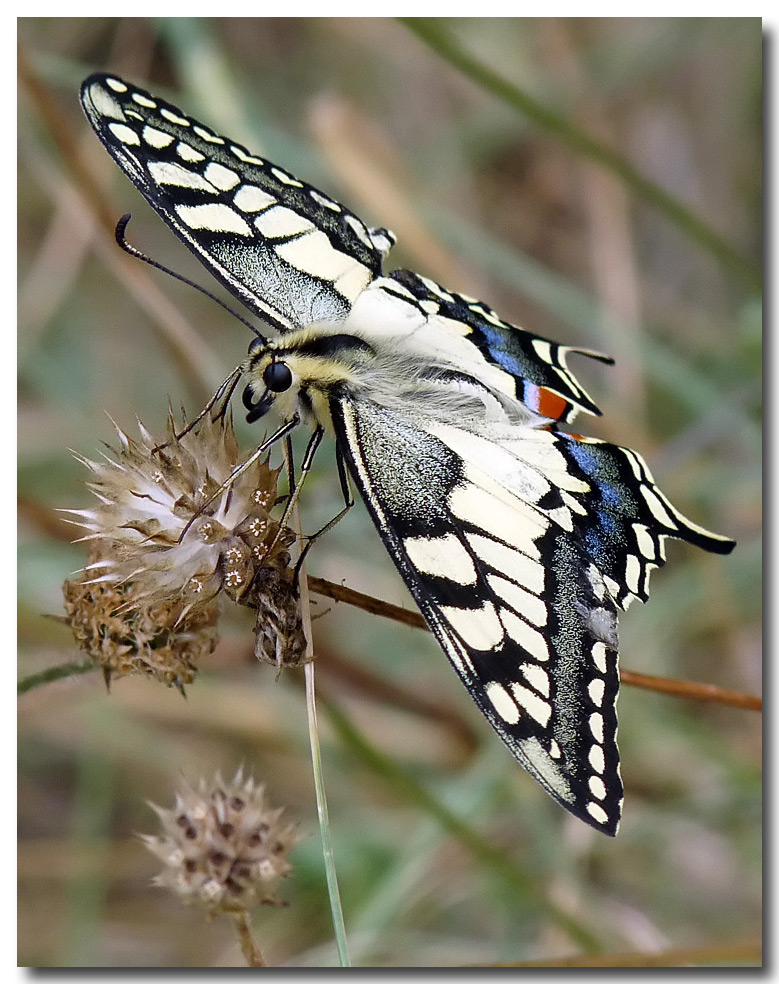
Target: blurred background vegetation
[447,852]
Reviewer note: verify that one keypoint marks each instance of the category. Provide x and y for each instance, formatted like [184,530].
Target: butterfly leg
[294,487]
[224,393]
[289,465]
[305,468]
[348,495]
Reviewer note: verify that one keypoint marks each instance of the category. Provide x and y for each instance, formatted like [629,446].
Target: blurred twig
[53,673]
[691,690]
[339,592]
[674,688]
[444,44]
[251,952]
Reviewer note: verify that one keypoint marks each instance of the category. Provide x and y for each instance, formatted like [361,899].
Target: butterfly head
[299,373]
[269,377]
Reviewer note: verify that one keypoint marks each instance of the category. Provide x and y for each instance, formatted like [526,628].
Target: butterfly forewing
[288,251]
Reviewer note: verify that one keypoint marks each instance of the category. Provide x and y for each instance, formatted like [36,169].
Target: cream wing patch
[480,628]
[442,556]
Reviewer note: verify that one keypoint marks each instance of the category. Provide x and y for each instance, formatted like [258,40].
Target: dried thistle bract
[279,636]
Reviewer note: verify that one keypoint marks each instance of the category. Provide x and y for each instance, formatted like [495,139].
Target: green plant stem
[444,44]
[53,673]
[339,927]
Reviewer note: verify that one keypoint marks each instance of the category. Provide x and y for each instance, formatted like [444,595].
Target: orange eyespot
[551,405]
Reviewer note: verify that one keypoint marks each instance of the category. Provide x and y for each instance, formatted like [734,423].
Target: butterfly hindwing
[601,494]
[517,605]
[288,251]
[625,518]
[538,366]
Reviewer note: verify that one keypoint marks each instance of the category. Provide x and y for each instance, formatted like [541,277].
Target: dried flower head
[166,537]
[223,847]
[126,635]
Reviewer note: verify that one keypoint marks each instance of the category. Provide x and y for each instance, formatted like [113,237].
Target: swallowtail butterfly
[519,541]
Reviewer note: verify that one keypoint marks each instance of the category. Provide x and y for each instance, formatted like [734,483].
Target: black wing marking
[288,251]
[517,605]
[626,517]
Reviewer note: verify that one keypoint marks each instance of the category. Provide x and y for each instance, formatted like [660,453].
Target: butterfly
[519,540]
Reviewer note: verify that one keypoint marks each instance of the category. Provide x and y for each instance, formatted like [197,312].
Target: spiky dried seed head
[223,846]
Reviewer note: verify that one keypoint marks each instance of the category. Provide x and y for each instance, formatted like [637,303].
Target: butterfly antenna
[119,234]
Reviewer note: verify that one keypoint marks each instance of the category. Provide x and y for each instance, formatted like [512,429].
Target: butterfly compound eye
[277,377]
